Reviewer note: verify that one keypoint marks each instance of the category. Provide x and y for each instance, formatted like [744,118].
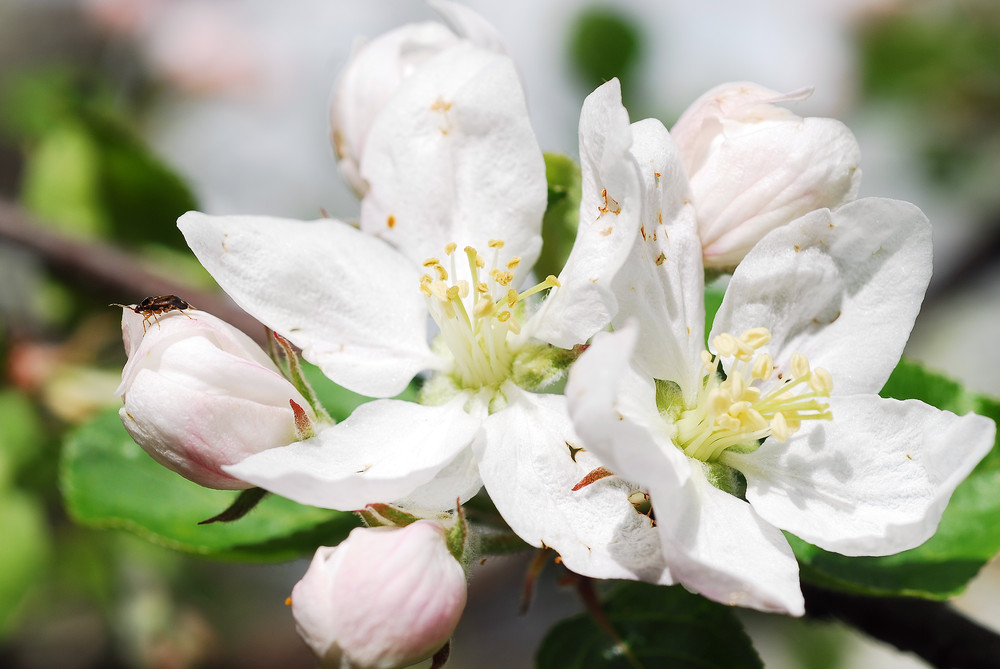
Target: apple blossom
[463,230]
[377,69]
[199,394]
[754,165]
[779,427]
[386,597]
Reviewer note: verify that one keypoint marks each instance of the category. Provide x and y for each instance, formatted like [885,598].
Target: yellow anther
[779,427]
[425,288]
[552,281]
[751,394]
[821,381]
[725,344]
[800,366]
[453,292]
[708,361]
[756,337]
[503,316]
[450,247]
[484,308]
[512,297]
[480,263]
[736,408]
[727,422]
[762,367]
[431,262]
[482,288]
[513,262]
[439,290]
[496,243]
[426,278]
[717,401]
[463,289]
[442,272]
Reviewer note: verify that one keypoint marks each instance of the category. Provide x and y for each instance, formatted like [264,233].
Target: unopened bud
[199,394]
[385,597]
[754,166]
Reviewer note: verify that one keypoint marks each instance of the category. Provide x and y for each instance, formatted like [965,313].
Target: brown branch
[933,630]
[110,272]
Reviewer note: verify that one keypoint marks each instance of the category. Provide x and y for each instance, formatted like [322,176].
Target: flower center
[475,321]
[736,413]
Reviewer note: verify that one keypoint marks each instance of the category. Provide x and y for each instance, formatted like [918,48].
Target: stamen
[476,315]
[741,410]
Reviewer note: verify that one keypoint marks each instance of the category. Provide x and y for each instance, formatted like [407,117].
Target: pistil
[736,412]
[476,319]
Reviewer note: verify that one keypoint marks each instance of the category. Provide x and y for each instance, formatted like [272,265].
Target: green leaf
[561,214]
[109,482]
[968,536]
[26,549]
[20,435]
[91,175]
[663,627]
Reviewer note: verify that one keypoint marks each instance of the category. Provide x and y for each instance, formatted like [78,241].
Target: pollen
[477,313]
[747,406]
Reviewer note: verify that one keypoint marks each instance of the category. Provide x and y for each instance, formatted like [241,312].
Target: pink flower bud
[199,394]
[384,598]
[754,166]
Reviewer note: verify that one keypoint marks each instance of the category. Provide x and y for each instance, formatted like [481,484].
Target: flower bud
[378,68]
[199,394]
[754,166]
[385,597]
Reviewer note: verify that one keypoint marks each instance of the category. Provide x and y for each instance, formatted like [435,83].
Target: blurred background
[116,116]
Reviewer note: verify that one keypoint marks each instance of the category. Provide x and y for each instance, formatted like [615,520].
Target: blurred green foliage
[605,42]
[86,169]
[661,627]
[942,60]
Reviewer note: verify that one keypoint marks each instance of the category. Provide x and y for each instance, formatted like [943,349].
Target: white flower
[378,68]
[449,228]
[384,598]
[813,322]
[754,166]
[199,394]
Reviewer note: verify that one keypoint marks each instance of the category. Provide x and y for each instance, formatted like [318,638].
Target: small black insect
[151,307]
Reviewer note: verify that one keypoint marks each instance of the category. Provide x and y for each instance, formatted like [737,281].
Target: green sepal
[288,362]
[542,366]
[244,504]
[457,537]
[386,514]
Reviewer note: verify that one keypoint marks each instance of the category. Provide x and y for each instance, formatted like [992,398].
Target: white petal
[529,470]
[469,25]
[452,158]
[662,282]
[349,301]
[716,545]
[610,204]
[384,451]
[874,481]
[614,409]
[458,481]
[842,288]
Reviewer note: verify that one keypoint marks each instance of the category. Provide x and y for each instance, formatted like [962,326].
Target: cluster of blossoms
[567,398]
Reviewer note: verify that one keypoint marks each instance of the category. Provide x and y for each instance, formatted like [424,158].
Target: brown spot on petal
[391,221]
